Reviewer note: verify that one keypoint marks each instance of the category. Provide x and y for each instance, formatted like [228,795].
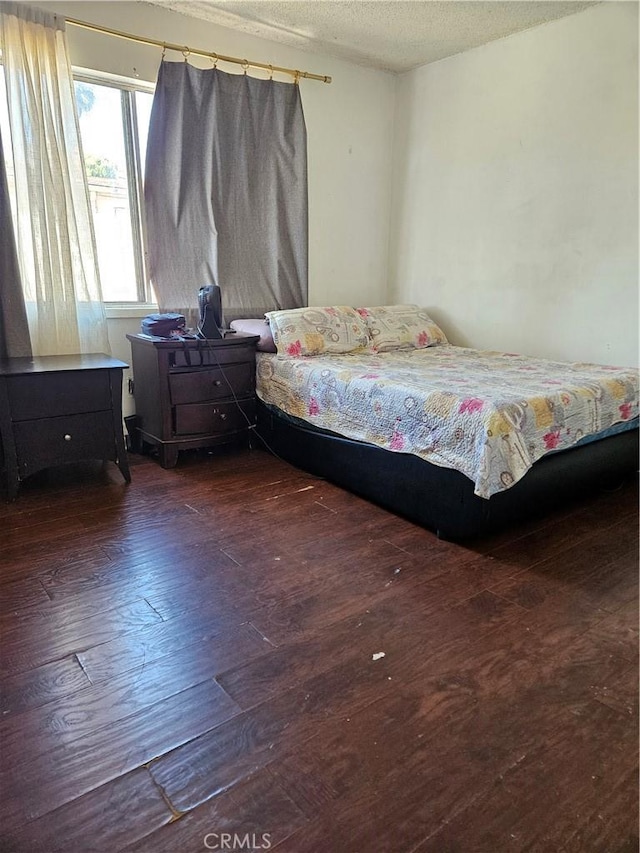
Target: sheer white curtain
[54,229]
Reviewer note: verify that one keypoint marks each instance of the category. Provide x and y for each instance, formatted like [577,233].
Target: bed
[458,440]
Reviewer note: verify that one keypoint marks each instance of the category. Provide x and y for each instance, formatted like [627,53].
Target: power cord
[251,426]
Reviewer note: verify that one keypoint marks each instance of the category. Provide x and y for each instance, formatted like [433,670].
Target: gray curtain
[14,331]
[226,192]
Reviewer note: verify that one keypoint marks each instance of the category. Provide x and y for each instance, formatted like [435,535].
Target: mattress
[489,415]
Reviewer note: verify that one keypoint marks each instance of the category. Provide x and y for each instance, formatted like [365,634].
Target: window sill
[124,312]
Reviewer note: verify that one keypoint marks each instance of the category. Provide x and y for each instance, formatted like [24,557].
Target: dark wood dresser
[193,393]
[57,409]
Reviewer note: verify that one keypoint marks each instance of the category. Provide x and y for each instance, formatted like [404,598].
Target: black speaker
[210,302]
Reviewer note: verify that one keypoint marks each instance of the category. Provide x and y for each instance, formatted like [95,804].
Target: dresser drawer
[70,438]
[214,418]
[45,395]
[211,384]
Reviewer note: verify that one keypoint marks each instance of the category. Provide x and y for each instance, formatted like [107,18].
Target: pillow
[312,331]
[401,327]
[256,327]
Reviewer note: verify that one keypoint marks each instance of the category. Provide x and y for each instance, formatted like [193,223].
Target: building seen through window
[114,123]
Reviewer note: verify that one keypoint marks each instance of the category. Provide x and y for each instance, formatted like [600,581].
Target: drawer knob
[223,417]
[67,437]
[217,382]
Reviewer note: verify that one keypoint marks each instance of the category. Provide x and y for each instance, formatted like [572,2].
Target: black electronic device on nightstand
[211,323]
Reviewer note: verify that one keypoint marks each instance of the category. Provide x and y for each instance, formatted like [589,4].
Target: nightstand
[193,393]
[57,409]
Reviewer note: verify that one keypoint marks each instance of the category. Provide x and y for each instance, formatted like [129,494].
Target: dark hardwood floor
[233,646]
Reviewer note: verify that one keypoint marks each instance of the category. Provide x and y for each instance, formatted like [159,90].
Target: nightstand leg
[8,450]
[123,465]
[122,460]
[168,455]
[12,487]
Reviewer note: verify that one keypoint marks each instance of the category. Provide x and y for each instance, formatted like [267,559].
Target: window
[114,121]
[114,124]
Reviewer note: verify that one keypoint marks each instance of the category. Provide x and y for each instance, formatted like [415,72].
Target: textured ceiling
[393,35]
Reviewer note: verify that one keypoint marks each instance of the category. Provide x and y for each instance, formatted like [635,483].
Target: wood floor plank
[618,632]
[54,558]
[22,556]
[292,610]
[224,593]
[47,506]
[349,566]
[550,540]
[394,625]
[620,692]
[598,583]
[233,751]
[608,503]
[66,772]
[72,608]
[353,755]
[171,586]
[234,645]
[592,782]
[199,633]
[218,760]
[19,593]
[256,812]
[103,705]
[107,818]
[429,802]
[37,687]
[148,553]
[55,638]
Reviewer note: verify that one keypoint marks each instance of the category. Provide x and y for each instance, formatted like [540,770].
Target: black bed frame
[439,498]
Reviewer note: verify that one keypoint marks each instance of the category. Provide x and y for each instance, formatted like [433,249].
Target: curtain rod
[187,51]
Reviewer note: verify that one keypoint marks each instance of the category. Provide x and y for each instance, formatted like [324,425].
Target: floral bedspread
[490,415]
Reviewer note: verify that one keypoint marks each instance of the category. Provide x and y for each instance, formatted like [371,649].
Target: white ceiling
[393,35]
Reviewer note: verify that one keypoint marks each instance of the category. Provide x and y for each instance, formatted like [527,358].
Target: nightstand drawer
[38,396]
[214,418]
[211,384]
[70,438]
[229,351]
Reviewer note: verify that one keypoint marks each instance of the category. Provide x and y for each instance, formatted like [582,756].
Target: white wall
[515,211]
